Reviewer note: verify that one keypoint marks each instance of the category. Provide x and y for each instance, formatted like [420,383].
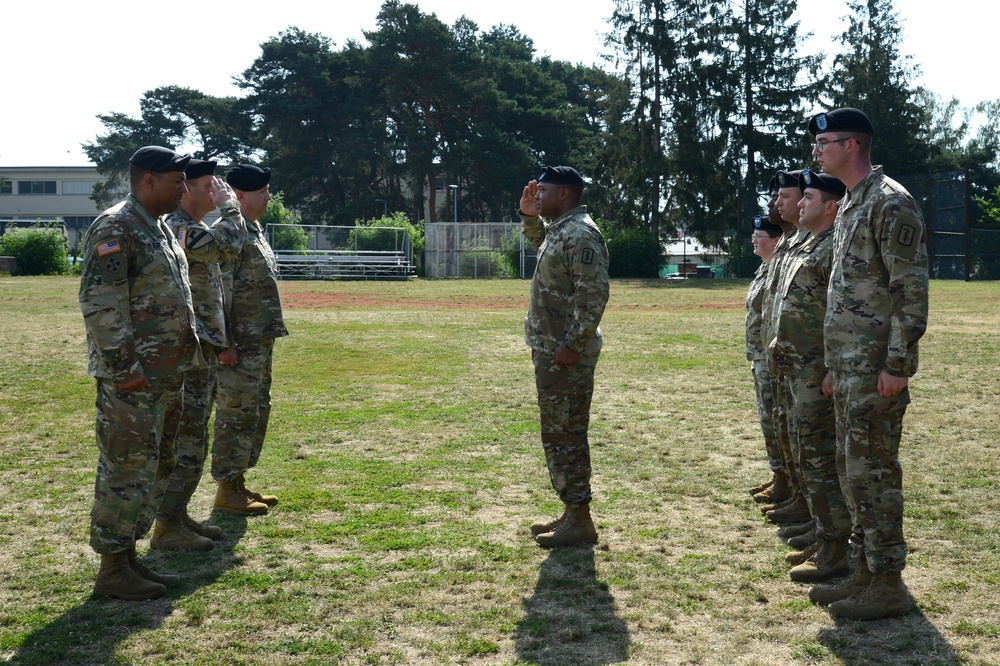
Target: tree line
[702,102]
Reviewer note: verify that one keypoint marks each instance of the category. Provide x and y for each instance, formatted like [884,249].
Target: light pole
[454,200]
[385,207]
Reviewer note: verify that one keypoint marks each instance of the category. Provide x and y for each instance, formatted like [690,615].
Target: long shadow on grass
[570,619]
[910,639]
[91,632]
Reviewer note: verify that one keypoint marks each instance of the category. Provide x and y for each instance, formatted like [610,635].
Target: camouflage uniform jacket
[786,245]
[206,248]
[135,297]
[570,288]
[255,306]
[877,304]
[755,301]
[801,304]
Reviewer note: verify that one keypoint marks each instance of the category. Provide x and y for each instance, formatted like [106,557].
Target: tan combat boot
[795,512]
[230,499]
[797,557]
[792,530]
[117,580]
[829,561]
[804,540]
[175,535]
[792,498]
[269,500]
[576,529]
[542,527]
[853,586]
[885,596]
[764,486]
[201,529]
[146,572]
[777,492]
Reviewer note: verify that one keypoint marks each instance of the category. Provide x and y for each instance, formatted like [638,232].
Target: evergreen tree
[872,75]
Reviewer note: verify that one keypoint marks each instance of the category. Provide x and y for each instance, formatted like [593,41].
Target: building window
[85,187]
[36,187]
[6,187]
[78,221]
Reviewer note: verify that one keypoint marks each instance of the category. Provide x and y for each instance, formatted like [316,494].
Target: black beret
[764,224]
[847,119]
[772,187]
[822,181]
[197,168]
[561,175]
[158,159]
[788,178]
[248,177]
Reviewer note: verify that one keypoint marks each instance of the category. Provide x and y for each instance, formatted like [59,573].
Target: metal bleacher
[361,253]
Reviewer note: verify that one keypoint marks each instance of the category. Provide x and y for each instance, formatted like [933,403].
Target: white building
[49,194]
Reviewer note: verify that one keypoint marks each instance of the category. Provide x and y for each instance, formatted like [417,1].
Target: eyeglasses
[820,146]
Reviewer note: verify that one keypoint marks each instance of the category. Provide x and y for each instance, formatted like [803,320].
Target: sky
[100,57]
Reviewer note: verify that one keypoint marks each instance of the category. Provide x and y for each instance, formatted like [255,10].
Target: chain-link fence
[476,249]
[944,200]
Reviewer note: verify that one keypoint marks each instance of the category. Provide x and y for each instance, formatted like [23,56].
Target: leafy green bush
[289,237]
[39,250]
[633,253]
[397,219]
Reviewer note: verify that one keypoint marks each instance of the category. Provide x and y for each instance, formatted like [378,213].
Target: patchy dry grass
[404,447]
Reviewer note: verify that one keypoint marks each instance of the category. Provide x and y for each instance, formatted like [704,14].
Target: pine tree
[872,75]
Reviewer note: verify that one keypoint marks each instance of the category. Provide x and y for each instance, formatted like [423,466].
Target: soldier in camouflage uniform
[797,350]
[876,313]
[794,509]
[243,406]
[205,248]
[569,292]
[141,335]
[765,237]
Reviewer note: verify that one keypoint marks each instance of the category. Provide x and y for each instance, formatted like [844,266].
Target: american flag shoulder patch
[182,238]
[108,247]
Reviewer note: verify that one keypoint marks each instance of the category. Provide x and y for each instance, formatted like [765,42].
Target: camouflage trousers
[564,395]
[134,461]
[782,435]
[242,410]
[812,425]
[869,428]
[765,411]
[187,430]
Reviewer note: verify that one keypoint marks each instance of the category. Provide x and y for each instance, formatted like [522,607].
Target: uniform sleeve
[903,247]
[588,259]
[104,301]
[229,231]
[533,229]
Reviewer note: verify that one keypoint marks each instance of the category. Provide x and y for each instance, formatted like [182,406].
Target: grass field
[404,448]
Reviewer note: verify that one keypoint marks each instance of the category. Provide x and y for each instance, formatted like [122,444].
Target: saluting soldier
[569,291]
[876,313]
[141,336]
[243,406]
[205,249]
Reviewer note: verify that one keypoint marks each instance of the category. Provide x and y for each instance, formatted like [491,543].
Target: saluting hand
[529,205]
[221,192]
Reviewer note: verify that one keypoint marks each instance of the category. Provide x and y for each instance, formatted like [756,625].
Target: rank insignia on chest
[588,256]
[108,247]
